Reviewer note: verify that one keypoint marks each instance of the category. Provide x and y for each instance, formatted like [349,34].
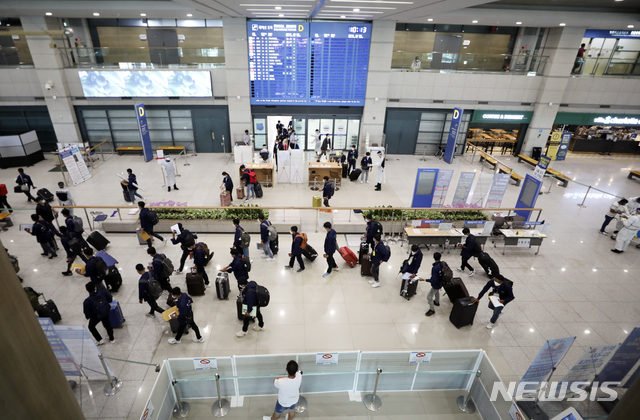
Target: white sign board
[205,363]
[538,173]
[327,358]
[545,229]
[420,356]
[75,164]
[445,227]
[524,242]
[284,167]
[488,228]
[297,165]
[148,411]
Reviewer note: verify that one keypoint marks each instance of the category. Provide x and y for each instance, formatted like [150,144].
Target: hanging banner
[453,134]
[75,164]
[554,144]
[548,358]
[589,365]
[464,188]
[480,190]
[498,188]
[564,145]
[60,350]
[623,359]
[442,186]
[143,128]
[541,168]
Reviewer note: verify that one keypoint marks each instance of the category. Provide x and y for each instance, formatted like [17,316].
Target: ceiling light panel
[372,1]
[363,7]
[279,11]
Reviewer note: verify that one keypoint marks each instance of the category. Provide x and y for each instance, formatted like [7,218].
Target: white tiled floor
[573,286]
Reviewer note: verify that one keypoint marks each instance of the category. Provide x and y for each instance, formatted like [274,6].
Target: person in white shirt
[246,138]
[380,174]
[318,144]
[616,209]
[288,392]
[64,197]
[416,65]
[630,208]
[630,228]
[170,173]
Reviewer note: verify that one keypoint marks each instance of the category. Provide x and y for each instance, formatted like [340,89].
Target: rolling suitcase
[125,192]
[364,250]
[240,193]
[456,290]
[174,324]
[195,284]
[488,264]
[463,312]
[239,308]
[275,246]
[317,201]
[409,288]
[222,285]
[365,266]
[258,189]
[355,174]
[345,170]
[310,253]
[49,310]
[115,315]
[96,240]
[225,199]
[349,256]
[46,194]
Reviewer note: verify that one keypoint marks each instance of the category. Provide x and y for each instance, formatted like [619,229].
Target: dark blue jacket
[245,177]
[413,263]
[179,239]
[143,287]
[264,231]
[469,245]
[184,307]
[237,268]
[372,227]
[24,179]
[366,162]
[68,222]
[199,258]
[352,156]
[379,251]
[132,180]
[504,291]
[91,270]
[236,238]
[327,190]
[91,311]
[296,244]
[436,275]
[228,183]
[43,231]
[145,220]
[330,242]
[44,210]
[64,239]
[157,265]
[249,297]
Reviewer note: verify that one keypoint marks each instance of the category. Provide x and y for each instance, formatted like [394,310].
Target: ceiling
[595,14]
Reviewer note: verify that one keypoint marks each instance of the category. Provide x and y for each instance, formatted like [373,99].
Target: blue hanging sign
[144,132]
[424,188]
[453,134]
[564,145]
[528,196]
[622,360]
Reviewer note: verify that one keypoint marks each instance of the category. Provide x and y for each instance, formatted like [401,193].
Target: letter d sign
[141,111]
[456,114]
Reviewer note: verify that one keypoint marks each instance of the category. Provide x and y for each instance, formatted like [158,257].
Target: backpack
[77,224]
[245,239]
[252,177]
[273,233]
[153,218]
[378,228]
[204,248]
[262,296]
[332,188]
[3,189]
[247,263]
[167,266]
[62,195]
[74,246]
[101,267]
[155,290]
[304,240]
[101,305]
[189,241]
[385,259]
[447,274]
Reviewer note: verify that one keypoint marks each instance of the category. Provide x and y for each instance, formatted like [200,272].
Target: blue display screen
[317,63]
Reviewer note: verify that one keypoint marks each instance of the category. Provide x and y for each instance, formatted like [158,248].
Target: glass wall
[433,131]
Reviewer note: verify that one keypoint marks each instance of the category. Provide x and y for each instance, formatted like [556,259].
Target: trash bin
[536,152]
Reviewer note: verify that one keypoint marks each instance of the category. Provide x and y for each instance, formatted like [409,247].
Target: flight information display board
[317,63]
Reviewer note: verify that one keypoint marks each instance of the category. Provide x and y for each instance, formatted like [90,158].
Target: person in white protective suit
[630,208]
[170,172]
[627,233]
[380,174]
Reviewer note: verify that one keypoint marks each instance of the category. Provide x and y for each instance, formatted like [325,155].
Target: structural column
[375,105]
[49,67]
[237,71]
[561,47]
[33,385]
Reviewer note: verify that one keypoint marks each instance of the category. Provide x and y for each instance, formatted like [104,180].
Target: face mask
[413,253]
[291,232]
[496,283]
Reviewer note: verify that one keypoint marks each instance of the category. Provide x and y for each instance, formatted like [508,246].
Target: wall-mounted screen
[142,84]
[426,182]
[529,191]
[308,63]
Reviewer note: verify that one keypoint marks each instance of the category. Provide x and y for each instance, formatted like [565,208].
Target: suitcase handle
[42,295]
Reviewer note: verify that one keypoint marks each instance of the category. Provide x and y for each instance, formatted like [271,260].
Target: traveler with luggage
[365,166]
[186,240]
[437,273]
[74,224]
[145,292]
[97,309]
[615,210]
[379,255]
[327,191]
[72,246]
[296,249]
[44,210]
[326,146]
[95,268]
[250,308]
[239,268]
[227,184]
[373,228]
[160,269]
[132,186]
[25,184]
[502,287]
[185,310]
[413,263]
[330,247]
[148,220]
[199,260]
[249,178]
[44,233]
[288,392]
[268,233]
[64,196]
[241,239]
[352,158]
[469,249]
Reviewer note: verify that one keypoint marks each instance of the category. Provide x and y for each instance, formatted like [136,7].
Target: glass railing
[531,65]
[141,58]
[15,57]
[628,66]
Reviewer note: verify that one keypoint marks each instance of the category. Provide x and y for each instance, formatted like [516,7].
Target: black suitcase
[456,290]
[46,194]
[239,308]
[96,240]
[355,174]
[258,190]
[409,288]
[222,285]
[365,265]
[195,284]
[345,170]
[488,264]
[275,246]
[174,324]
[463,312]
[364,250]
[113,279]
[125,193]
[310,253]
[49,310]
